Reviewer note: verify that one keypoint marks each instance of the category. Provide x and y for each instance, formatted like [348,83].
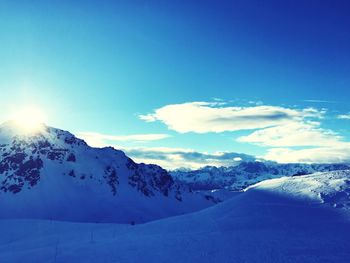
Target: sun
[29,119]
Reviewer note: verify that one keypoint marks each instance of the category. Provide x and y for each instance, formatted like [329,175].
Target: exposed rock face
[150,178]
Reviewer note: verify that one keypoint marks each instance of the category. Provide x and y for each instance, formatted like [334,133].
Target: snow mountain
[246,173]
[51,174]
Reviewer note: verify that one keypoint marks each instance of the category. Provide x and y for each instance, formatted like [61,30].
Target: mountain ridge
[245,174]
[50,173]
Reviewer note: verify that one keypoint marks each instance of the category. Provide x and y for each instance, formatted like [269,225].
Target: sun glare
[29,120]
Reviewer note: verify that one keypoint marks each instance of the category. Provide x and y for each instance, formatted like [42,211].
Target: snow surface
[294,219]
[332,188]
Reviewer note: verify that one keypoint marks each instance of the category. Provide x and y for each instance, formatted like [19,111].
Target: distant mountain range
[246,173]
[51,174]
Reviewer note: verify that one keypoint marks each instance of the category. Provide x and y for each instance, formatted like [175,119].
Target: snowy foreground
[294,219]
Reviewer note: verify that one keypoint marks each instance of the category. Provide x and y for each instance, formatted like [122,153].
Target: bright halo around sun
[29,120]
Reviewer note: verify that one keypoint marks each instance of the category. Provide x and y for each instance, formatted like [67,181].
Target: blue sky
[95,67]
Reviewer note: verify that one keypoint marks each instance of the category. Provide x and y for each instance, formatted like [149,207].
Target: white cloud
[293,134]
[320,101]
[327,146]
[280,128]
[338,154]
[344,116]
[204,117]
[172,158]
[100,140]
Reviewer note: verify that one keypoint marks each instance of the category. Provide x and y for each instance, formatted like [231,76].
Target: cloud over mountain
[172,158]
[293,134]
[336,154]
[344,116]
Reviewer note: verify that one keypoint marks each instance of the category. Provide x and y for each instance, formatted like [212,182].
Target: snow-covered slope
[51,174]
[331,188]
[286,220]
[246,173]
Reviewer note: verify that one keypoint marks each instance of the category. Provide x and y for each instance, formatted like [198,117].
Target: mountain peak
[13,128]
[12,131]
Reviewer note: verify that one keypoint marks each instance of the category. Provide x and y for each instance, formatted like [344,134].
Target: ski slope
[294,219]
